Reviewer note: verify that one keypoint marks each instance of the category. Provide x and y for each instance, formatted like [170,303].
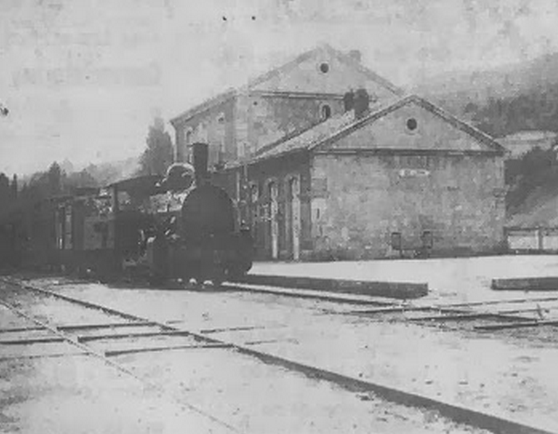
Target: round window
[412,124]
[324,67]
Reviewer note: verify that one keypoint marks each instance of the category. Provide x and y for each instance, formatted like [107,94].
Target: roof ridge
[472,130]
[285,66]
[377,113]
[286,138]
[373,115]
[366,70]
[206,104]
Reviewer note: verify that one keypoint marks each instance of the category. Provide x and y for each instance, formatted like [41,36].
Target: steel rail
[101,356]
[456,413]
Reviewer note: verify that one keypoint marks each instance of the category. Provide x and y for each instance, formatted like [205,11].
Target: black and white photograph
[278,216]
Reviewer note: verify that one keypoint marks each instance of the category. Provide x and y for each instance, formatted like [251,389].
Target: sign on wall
[413,173]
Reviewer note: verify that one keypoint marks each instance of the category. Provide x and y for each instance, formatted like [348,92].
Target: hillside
[532,198]
[504,100]
[520,98]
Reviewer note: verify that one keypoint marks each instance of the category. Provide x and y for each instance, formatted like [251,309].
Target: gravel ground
[75,393]
[509,373]
[259,398]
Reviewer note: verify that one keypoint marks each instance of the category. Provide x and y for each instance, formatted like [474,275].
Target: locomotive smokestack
[200,156]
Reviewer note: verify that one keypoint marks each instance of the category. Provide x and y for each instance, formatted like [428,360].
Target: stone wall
[250,191]
[359,201]
[215,126]
[274,117]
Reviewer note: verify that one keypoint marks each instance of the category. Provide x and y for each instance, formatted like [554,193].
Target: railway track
[480,316]
[488,316]
[79,336]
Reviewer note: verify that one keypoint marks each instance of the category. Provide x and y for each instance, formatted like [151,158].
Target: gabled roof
[231,93]
[334,53]
[206,105]
[341,126]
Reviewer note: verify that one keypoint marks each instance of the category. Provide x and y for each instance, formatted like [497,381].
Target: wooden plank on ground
[469,316]
[132,335]
[403,309]
[105,325]
[490,302]
[516,325]
[21,329]
[37,340]
[112,353]
[453,317]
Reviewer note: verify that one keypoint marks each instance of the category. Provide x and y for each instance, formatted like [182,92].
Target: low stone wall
[400,290]
[526,284]
[532,240]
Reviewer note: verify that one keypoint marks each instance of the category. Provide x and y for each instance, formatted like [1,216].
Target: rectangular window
[396,240]
[427,240]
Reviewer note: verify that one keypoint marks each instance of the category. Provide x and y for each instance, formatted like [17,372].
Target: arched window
[188,138]
[326,112]
[220,136]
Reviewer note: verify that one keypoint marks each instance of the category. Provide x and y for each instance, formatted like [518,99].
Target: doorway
[293,233]
[272,218]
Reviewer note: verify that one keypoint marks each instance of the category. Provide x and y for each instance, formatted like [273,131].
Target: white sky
[83,78]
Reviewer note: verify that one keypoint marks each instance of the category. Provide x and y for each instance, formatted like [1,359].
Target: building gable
[323,70]
[411,124]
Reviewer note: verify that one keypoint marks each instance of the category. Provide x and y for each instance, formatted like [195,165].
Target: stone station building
[317,176]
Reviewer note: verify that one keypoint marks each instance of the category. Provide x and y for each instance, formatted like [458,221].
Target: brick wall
[360,200]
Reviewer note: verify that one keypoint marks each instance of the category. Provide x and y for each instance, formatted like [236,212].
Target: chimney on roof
[349,100]
[361,103]
[356,55]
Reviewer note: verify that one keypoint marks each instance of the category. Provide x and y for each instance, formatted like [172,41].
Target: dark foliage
[534,174]
[158,155]
[535,110]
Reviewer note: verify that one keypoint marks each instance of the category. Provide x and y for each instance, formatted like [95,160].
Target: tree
[4,188]
[158,155]
[54,177]
[14,187]
[536,173]
[77,180]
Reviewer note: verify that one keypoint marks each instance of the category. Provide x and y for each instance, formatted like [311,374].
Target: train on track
[180,226]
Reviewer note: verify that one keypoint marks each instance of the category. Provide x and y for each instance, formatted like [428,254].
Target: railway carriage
[180,226]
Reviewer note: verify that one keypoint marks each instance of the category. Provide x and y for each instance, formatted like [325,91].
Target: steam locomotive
[200,242]
[180,226]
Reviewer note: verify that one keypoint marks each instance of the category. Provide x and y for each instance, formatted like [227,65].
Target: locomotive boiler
[199,241]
